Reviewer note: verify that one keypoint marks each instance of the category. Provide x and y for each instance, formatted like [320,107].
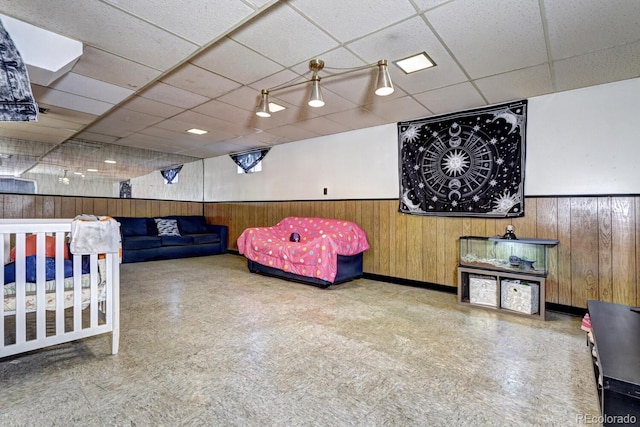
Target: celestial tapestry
[469,163]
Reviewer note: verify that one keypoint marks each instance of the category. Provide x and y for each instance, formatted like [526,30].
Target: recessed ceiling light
[77,173]
[197,131]
[92,170]
[112,162]
[274,108]
[415,63]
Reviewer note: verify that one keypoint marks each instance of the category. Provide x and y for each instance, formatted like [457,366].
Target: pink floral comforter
[315,255]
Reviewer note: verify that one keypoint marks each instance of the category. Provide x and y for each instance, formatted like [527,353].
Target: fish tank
[520,255]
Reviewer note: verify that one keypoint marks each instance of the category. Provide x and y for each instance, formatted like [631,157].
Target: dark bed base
[349,268]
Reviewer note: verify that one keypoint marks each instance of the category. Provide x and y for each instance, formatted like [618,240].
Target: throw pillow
[167,227]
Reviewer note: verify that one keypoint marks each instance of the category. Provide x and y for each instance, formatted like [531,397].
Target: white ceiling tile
[520,84]
[293,133]
[261,3]
[258,138]
[101,65]
[513,31]
[406,39]
[91,88]
[604,66]
[576,28]
[172,95]
[103,26]
[200,81]
[452,98]
[59,113]
[213,150]
[245,98]
[356,118]
[197,21]
[428,4]
[149,106]
[49,121]
[180,126]
[224,111]
[70,101]
[91,136]
[122,122]
[236,62]
[295,40]
[347,20]
[284,78]
[153,143]
[398,110]
[39,133]
[322,126]
[212,124]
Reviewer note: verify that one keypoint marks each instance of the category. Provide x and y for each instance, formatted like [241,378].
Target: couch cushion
[200,239]
[141,242]
[167,227]
[176,240]
[192,224]
[132,226]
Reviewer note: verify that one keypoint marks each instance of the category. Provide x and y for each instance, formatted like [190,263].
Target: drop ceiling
[151,69]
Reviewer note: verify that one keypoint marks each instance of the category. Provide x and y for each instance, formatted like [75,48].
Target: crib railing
[55,315]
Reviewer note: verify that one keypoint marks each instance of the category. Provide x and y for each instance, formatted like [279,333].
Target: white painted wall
[578,142]
[78,186]
[188,188]
[585,141]
[360,164]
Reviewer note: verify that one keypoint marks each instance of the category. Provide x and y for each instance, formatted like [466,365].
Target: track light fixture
[384,86]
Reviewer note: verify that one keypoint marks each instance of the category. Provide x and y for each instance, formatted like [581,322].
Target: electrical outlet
[325,191]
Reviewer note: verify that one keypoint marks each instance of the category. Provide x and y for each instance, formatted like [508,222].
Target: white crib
[50,311]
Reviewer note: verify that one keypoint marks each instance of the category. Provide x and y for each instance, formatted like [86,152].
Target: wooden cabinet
[504,275]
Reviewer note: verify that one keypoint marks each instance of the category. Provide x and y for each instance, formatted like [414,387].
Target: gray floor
[205,342]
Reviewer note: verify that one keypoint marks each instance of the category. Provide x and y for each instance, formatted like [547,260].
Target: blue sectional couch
[141,242]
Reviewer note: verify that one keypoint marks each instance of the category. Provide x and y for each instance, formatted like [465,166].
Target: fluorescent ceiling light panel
[415,63]
[197,131]
[111,162]
[92,170]
[274,108]
[48,55]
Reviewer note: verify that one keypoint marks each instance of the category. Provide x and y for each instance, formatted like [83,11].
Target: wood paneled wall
[28,206]
[598,256]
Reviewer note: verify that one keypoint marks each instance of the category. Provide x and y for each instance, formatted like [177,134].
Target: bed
[316,251]
[57,289]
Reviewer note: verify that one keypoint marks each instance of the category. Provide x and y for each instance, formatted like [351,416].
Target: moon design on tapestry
[464,164]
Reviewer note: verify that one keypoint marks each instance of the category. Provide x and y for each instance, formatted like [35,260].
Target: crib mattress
[50,295]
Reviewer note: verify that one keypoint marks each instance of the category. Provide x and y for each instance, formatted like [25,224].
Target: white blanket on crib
[94,235]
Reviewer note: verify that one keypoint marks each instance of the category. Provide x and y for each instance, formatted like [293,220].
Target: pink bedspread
[315,255]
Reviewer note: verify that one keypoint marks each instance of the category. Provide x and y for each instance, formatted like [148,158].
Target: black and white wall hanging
[248,160]
[16,100]
[171,175]
[469,163]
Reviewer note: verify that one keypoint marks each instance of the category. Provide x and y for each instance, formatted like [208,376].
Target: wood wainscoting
[598,256]
[30,206]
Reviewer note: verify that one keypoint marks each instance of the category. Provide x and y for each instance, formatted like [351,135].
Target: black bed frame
[349,268]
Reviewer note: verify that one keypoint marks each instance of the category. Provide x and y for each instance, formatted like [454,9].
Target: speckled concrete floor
[205,342]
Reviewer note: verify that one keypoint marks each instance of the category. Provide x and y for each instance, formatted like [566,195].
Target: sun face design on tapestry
[464,164]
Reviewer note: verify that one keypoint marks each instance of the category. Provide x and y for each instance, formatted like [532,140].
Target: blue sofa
[141,242]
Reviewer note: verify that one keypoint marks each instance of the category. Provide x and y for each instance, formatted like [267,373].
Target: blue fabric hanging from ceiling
[171,174]
[248,161]
[16,100]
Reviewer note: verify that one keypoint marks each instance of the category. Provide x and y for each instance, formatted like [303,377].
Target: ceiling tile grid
[152,68]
